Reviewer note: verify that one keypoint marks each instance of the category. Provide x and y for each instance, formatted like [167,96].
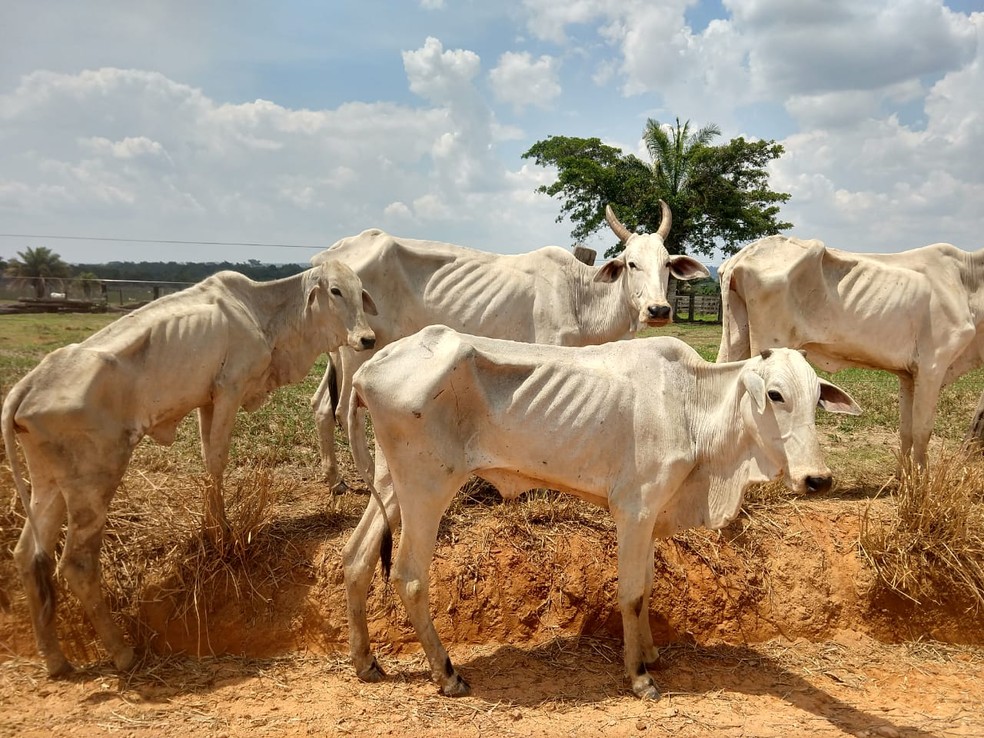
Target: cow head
[340,304]
[780,395]
[645,267]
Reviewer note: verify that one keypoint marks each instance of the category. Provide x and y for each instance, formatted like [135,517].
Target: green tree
[38,265]
[88,281]
[719,195]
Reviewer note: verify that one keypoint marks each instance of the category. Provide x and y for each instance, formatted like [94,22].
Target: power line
[160,240]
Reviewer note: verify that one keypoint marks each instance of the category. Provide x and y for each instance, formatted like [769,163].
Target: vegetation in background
[39,266]
[719,195]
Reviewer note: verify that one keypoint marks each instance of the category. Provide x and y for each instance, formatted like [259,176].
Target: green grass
[282,431]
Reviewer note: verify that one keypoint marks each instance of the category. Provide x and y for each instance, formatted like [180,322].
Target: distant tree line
[172,271]
[40,266]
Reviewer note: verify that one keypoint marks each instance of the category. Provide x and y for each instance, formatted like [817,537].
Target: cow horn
[620,230]
[666,219]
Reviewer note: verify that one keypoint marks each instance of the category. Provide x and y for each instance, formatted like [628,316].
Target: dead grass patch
[930,545]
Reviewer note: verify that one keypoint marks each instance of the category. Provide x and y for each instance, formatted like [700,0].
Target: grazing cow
[646,428]
[545,296]
[221,344]
[915,313]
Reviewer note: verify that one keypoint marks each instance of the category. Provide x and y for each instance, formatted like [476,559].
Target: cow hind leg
[421,517]
[35,563]
[79,565]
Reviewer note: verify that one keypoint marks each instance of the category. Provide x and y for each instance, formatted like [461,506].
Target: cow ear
[755,386]
[685,267]
[610,271]
[835,400]
[368,306]
[312,295]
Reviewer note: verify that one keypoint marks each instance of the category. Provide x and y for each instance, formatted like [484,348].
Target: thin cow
[544,296]
[914,313]
[646,428]
[222,344]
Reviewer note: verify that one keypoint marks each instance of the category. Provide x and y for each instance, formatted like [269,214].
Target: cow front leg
[635,554]
[215,431]
[324,421]
[926,392]
[421,518]
[34,560]
[359,558]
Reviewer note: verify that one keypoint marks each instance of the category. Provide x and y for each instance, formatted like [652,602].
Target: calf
[222,344]
[646,428]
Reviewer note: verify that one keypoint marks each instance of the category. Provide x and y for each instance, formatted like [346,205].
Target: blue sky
[302,122]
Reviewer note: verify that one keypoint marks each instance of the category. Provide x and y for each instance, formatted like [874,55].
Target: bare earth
[773,627]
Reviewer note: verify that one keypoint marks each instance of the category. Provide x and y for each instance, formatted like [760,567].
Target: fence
[21,294]
[697,308]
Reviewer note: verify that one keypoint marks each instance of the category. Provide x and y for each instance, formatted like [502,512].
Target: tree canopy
[719,195]
[38,265]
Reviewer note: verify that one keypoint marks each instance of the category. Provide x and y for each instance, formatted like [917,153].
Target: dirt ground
[773,627]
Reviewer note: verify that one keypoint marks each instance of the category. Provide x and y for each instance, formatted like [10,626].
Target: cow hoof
[339,488]
[646,690]
[61,669]
[373,673]
[125,659]
[455,686]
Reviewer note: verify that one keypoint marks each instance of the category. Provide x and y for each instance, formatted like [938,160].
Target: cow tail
[42,566]
[735,338]
[366,465]
[332,378]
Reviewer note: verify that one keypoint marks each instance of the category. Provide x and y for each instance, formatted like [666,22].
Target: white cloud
[520,80]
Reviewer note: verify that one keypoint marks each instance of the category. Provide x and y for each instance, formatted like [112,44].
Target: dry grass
[931,546]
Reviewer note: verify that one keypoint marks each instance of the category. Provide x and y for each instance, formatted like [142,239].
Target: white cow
[646,428]
[545,296]
[221,344]
[915,313]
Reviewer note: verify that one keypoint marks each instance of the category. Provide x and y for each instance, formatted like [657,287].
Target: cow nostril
[818,485]
[368,341]
[659,311]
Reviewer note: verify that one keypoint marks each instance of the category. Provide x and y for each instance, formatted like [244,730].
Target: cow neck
[283,304]
[600,308]
[972,276]
[726,451]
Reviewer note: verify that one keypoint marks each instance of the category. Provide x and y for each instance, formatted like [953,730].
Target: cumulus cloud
[520,80]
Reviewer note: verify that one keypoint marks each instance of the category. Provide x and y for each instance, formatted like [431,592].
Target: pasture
[804,617]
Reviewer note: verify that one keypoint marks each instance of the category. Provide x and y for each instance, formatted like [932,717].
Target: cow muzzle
[362,341]
[656,316]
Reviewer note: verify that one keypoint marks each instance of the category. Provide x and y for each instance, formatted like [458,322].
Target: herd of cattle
[509,368]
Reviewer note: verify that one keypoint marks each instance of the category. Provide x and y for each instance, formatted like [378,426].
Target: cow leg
[906,393]
[635,556]
[79,565]
[359,558]
[422,514]
[215,431]
[650,653]
[324,421]
[35,566]
[924,399]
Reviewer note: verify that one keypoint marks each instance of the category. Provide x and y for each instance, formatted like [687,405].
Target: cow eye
[775,396]
[336,291]
[633,265]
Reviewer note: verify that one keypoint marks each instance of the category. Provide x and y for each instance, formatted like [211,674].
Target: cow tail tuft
[386,553]
[43,571]
[333,393]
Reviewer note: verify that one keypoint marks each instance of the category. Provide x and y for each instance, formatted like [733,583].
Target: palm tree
[37,266]
[673,151]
